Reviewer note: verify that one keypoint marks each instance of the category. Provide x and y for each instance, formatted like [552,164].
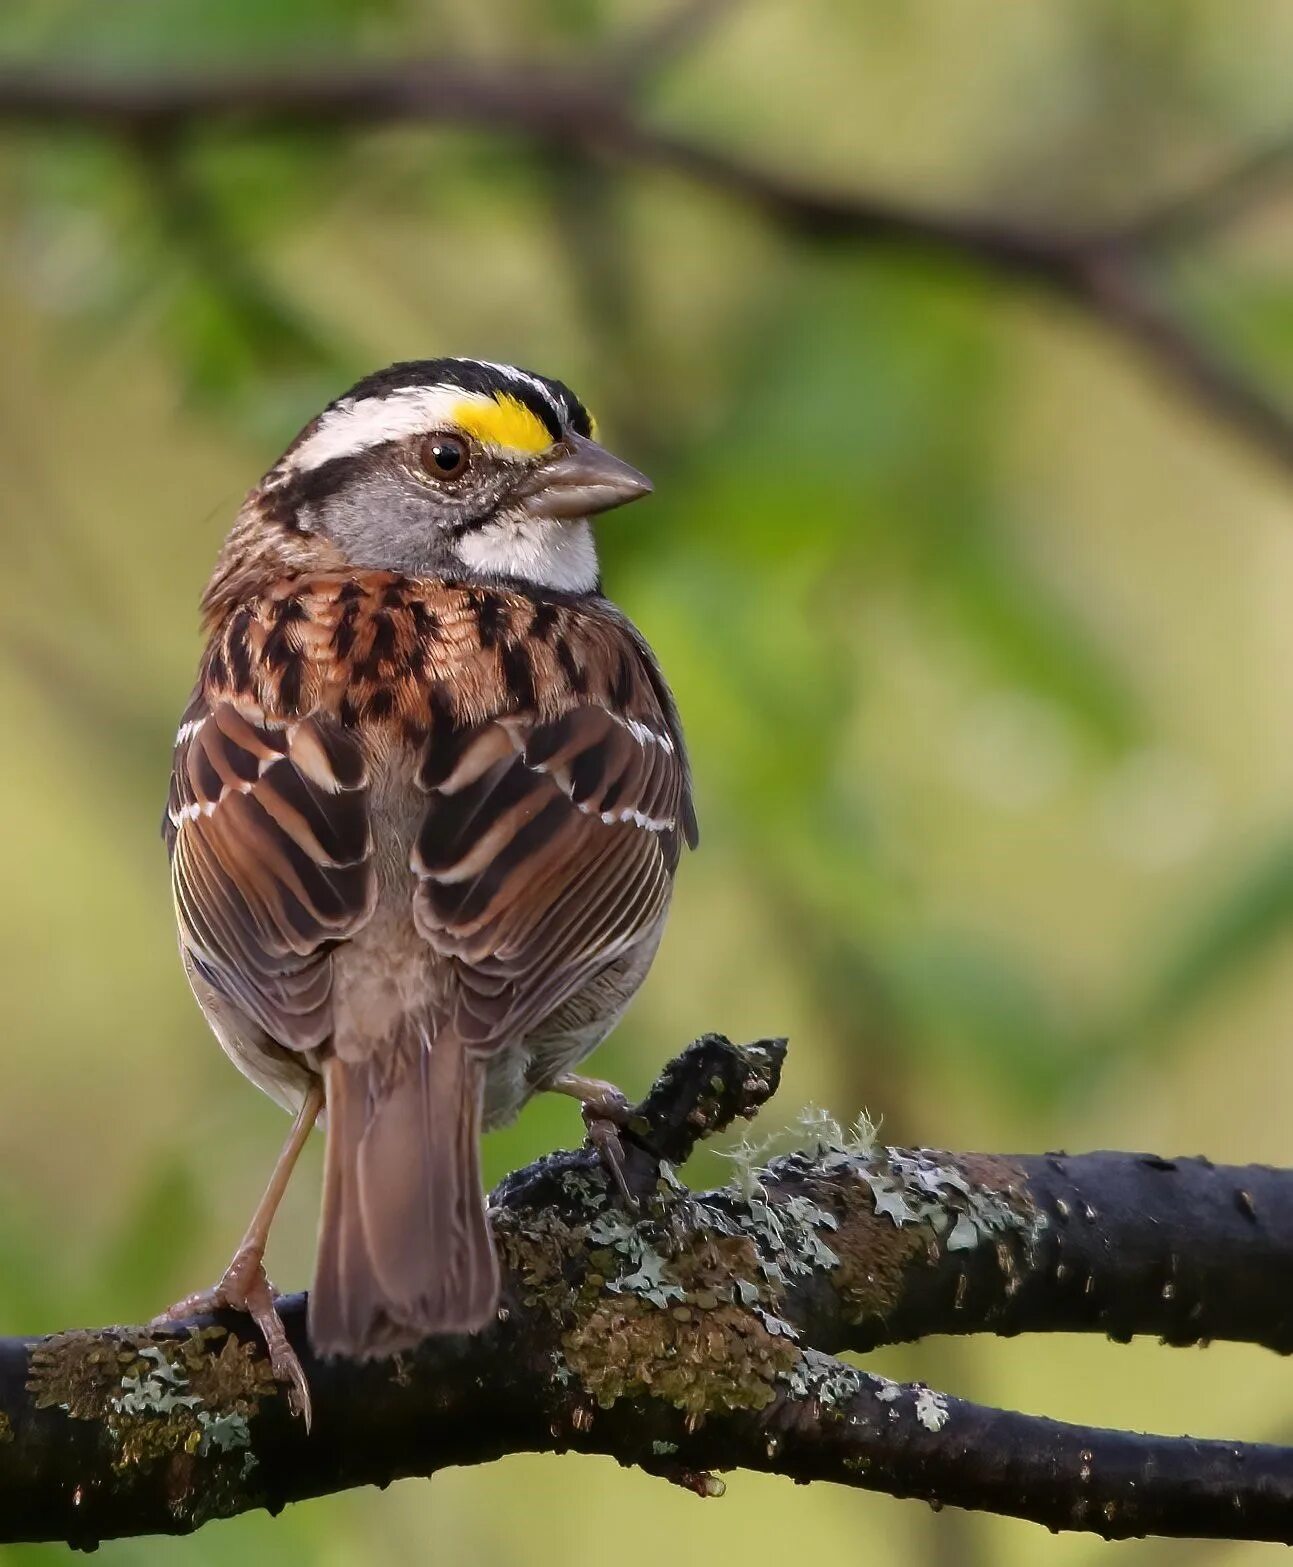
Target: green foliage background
[981,634]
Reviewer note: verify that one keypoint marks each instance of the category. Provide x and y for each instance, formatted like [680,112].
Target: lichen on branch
[699,1331]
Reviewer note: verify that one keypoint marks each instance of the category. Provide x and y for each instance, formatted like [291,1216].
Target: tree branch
[699,1334]
[1109,275]
[1217,201]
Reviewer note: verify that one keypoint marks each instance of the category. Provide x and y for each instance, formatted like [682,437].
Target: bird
[427,803]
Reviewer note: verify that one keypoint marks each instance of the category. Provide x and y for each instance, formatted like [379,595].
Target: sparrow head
[456,468]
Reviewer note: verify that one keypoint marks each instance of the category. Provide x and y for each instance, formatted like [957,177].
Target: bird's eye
[445,456]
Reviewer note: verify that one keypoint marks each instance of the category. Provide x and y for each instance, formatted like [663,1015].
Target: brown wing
[268,832]
[547,853]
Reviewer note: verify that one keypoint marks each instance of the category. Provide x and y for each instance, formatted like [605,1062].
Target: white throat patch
[550,554]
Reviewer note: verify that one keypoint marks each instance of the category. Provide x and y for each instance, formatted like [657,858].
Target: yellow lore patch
[503,422]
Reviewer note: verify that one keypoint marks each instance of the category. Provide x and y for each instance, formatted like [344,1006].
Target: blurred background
[978,619]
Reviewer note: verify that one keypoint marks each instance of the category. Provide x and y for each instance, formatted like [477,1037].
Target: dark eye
[445,456]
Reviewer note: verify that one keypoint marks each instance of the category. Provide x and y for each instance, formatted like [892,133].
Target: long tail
[404,1247]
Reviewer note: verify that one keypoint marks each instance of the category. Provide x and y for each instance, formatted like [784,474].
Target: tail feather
[404,1247]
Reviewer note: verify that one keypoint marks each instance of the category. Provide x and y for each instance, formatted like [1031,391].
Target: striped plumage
[423,824]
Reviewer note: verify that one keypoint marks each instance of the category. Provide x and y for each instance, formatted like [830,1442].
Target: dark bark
[1182,1249]
[695,1335]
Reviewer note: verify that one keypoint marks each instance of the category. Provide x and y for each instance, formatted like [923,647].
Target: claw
[605,1110]
[605,1138]
[284,1362]
[246,1287]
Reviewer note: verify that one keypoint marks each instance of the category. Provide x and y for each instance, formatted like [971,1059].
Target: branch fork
[702,1332]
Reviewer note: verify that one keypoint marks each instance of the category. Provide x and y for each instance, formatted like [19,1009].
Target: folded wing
[268,832]
[546,854]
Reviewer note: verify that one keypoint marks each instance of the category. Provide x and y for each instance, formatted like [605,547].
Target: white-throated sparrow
[426,807]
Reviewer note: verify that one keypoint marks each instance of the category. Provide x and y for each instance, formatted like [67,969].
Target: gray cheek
[384,524]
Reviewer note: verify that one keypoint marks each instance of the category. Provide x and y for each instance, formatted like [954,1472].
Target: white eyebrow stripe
[352,427]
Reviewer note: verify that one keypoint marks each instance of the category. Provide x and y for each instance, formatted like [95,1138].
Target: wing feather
[547,852]
[271,859]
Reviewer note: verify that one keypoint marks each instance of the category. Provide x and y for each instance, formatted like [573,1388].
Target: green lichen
[179,1399]
[829,1382]
[816,1134]
[822,1136]
[659,1313]
[660,1302]
[227,1433]
[700,1362]
[874,1258]
[922,1187]
[931,1408]
[628,1261]
[788,1235]
[537,1249]
[685,1299]
[928,1407]
[894,1206]
[78,1372]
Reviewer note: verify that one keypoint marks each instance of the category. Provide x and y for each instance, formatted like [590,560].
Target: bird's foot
[245,1287]
[606,1112]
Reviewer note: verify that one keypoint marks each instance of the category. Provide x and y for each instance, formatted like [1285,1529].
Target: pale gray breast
[570,1033]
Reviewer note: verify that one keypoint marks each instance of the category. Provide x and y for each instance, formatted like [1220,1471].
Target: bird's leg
[605,1111]
[245,1286]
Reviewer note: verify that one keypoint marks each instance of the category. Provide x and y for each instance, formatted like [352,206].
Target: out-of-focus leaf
[243,345]
[121,238]
[860,440]
[39,1556]
[138,33]
[1250,313]
[32,1284]
[964,996]
[142,1262]
[1226,935]
[1029,636]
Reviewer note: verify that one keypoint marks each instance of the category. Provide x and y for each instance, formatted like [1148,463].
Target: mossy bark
[698,1332]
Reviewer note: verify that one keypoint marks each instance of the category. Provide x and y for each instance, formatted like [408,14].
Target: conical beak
[583,480]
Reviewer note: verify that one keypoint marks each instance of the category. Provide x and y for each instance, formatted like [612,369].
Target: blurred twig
[1111,274]
[198,236]
[1221,199]
[700,1332]
[588,227]
[653,48]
